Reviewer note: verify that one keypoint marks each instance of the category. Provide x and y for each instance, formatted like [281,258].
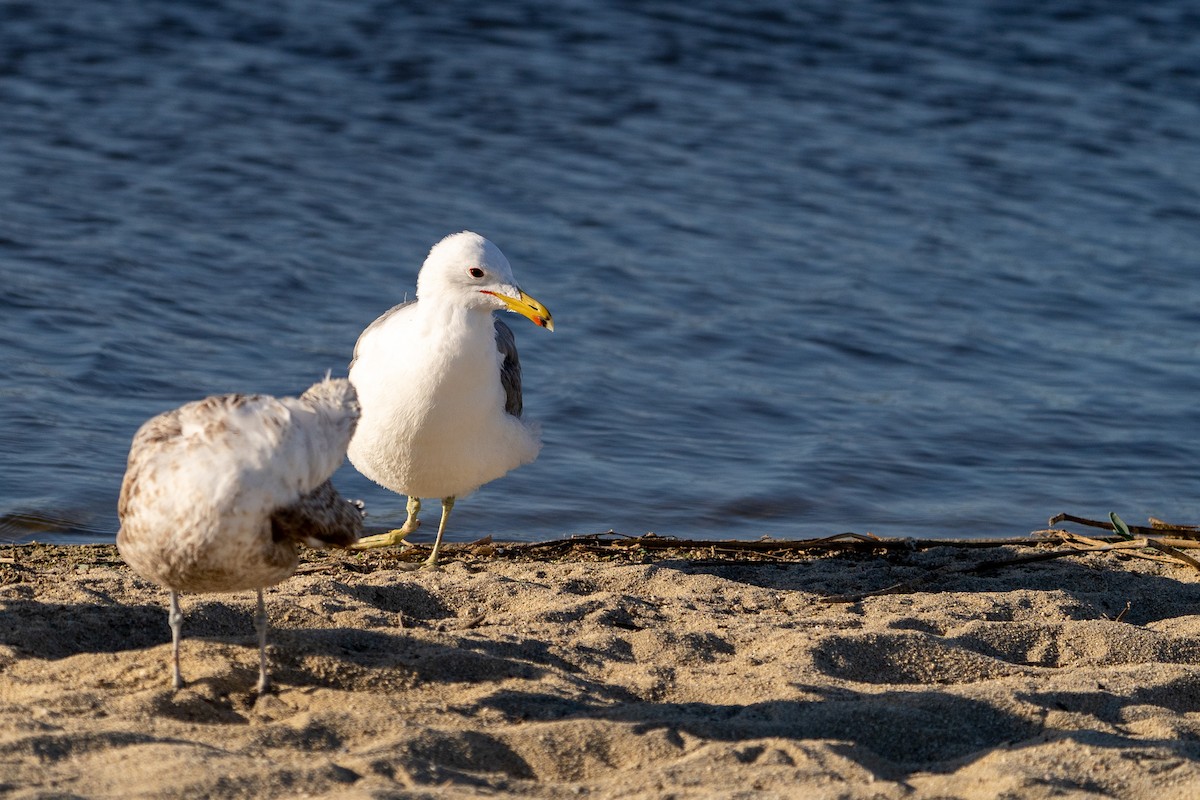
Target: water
[915,269]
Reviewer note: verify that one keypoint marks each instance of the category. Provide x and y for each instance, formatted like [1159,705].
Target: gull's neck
[440,314]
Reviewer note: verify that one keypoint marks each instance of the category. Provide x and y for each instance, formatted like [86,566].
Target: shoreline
[641,673]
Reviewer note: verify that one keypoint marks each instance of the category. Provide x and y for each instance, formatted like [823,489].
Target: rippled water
[916,269]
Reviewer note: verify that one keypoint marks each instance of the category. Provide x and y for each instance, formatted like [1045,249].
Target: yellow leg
[397,536]
[447,505]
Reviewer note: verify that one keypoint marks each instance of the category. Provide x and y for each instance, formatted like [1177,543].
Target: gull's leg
[260,625]
[175,619]
[447,505]
[392,538]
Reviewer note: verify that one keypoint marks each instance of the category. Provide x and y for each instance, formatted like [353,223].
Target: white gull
[440,384]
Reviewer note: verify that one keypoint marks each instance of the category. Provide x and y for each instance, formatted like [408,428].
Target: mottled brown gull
[219,493]
[440,384]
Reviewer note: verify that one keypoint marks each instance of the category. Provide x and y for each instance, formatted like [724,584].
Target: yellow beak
[526,306]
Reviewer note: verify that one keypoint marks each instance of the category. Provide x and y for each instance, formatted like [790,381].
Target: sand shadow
[891,733]
[405,598]
[1151,597]
[56,630]
[1179,696]
[360,658]
[369,659]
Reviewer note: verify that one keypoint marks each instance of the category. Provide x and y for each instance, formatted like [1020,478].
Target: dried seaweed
[1158,542]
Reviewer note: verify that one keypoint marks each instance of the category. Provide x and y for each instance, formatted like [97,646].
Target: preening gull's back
[219,492]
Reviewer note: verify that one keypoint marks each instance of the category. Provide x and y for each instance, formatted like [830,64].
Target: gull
[218,493]
[440,384]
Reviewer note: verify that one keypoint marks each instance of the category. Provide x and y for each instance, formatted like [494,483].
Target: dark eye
[475,272]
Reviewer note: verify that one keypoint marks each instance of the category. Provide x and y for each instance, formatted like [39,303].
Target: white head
[467,270]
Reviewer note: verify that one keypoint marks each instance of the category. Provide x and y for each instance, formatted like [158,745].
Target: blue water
[908,268]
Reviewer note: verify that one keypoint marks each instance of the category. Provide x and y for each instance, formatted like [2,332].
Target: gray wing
[321,517]
[510,369]
[384,317]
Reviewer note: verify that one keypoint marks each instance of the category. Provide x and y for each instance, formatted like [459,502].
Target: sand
[665,674]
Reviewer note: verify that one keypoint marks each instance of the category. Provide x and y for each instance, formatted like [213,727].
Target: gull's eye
[475,272]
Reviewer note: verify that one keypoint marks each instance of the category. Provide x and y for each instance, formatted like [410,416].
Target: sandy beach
[611,672]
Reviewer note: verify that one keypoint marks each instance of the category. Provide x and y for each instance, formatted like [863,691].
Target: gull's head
[467,270]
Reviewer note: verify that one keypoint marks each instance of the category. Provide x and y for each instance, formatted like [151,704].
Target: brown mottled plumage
[323,515]
[219,493]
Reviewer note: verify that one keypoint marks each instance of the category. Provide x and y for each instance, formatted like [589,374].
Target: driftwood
[1156,528]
